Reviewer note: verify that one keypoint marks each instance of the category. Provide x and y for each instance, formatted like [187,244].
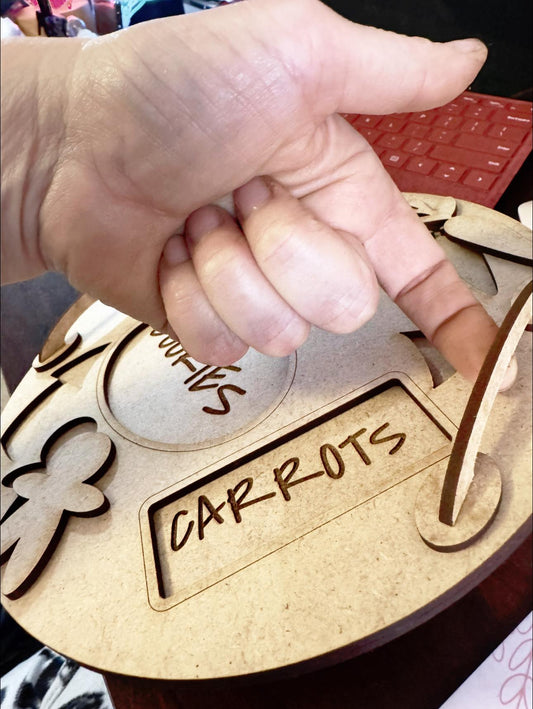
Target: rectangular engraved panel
[212,528]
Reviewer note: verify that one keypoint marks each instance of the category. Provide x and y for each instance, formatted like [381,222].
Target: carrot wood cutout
[48,492]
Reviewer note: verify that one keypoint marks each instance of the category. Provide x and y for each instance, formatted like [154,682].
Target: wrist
[36,75]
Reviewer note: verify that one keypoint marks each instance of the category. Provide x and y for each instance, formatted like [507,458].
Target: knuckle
[223,350]
[352,310]
[280,337]
[217,347]
[278,243]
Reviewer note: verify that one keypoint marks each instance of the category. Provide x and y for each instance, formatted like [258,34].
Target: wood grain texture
[419,670]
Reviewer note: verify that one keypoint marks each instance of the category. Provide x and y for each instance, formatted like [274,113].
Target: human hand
[169,117]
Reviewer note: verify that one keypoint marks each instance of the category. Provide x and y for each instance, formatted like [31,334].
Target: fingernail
[175,251]
[202,221]
[251,196]
[468,46]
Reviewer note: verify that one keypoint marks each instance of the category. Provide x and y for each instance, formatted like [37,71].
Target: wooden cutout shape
[56,348]
[61,484]
[59,354]
[63,367]
[434,212]
[506,239]
[461,468]
[477,513]
[341,553]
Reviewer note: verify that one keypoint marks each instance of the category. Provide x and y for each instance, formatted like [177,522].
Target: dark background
[505,27]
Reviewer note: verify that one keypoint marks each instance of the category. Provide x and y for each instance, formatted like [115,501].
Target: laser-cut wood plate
[272,522]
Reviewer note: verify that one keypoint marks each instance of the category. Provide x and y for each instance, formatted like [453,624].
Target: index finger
[410,265]
[417,275]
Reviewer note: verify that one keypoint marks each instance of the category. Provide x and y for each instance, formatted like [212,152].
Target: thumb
[384,72]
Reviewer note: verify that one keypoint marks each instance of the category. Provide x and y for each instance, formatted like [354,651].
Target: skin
[118,153]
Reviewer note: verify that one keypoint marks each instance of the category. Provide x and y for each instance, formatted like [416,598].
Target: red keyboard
[471,148]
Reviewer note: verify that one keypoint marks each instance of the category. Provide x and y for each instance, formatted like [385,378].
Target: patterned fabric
[47,680]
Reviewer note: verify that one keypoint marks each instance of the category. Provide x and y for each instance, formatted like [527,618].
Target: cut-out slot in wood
[196,535]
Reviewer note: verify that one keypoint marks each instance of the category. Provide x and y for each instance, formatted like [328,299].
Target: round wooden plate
[165,519]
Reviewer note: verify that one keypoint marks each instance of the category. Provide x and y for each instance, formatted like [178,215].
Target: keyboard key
[450,173]
[367,121]
[521,110]
[416,130]
[493,102]
[471,125]
[479,180]
[439,135]
[512,133]
[479,111]
[425,117]
[467,99]
[510,118]
[391,140]
[453,107]
[421,165]
[485,145]
[450,122]
[391,125]
[460,156]
[393,157]
[369,134]
[417,147]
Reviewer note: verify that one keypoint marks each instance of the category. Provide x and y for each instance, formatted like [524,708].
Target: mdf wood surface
[257,517]
[419,670]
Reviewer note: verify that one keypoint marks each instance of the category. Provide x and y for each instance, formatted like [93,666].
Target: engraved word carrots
[356,447]
[202,377]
